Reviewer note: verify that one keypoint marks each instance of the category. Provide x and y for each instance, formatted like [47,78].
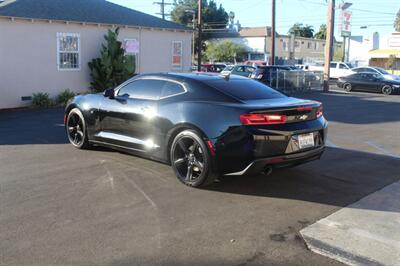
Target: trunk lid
[295,110]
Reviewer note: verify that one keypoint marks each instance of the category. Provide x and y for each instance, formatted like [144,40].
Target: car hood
[392,77]
[393,82]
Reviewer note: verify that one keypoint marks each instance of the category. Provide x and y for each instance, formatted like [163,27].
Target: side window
[358,70]
[171,88]
[149,89]
[240,69]
[343,66]
[250,69]
[332,65]
[219,68]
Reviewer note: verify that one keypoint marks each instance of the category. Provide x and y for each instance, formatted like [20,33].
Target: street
[60,205]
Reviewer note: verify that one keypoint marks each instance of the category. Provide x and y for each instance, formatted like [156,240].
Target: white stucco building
[45,45]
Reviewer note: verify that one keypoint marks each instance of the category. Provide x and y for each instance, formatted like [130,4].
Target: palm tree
[396,23]
[321,34]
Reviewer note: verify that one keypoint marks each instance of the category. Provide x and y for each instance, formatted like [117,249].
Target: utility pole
[273,34]
[329,43]
[344,49]
[199,40]
[162,5]
[193,12]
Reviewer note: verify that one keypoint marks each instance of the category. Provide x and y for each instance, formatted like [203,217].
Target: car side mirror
[109,93]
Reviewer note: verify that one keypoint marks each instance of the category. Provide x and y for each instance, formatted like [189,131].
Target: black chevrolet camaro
[203,125]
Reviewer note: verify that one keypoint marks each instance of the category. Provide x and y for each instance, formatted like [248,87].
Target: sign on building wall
[131,46]
[345,23]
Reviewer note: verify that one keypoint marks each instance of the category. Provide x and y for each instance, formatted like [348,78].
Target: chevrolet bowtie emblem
[303,117]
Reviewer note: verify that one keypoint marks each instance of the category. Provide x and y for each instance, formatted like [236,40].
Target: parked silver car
[241,70]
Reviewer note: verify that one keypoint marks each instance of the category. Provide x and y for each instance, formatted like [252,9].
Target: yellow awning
[384,53]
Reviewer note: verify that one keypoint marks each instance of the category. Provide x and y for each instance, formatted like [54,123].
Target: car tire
[191,159]
[347,87]
[387,90]
[75,127]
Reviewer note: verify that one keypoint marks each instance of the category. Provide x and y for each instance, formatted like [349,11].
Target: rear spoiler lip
[300,108]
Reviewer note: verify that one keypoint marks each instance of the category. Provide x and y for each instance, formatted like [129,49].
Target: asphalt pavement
[60,205]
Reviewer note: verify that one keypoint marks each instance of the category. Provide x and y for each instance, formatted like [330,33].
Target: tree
[321,34]
[391,62]
[303,31]
[225,51]
[112,67]
[338,54]
[212,16]
[396,23]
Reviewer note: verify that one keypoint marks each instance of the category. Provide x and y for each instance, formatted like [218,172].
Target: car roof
[369,73]
[364,67]
[197,76]
[242,65]
[217,64]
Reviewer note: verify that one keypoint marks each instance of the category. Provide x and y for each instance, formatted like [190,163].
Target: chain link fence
[289,81]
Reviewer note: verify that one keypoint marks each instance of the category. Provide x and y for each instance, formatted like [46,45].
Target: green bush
[64,97]
[112,67]
[42,99]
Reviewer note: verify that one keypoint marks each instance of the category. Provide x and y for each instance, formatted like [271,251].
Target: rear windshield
[244,89]
[382,71]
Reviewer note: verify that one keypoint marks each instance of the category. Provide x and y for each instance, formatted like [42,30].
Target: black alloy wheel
[76,129]
[190,159]
[347,87]
[387,89]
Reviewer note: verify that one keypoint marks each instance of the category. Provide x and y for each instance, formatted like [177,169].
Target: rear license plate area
[306,140]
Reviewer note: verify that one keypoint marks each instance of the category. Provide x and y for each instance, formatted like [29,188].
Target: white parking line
[381,149]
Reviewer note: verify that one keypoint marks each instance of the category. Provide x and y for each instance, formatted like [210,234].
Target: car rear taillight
[319,112]
[262,119]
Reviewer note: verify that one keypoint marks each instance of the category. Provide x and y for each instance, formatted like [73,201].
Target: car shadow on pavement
[32,126]
[357,108]
[340,178]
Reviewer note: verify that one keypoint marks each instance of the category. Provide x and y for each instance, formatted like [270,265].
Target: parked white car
[337,69]
[241,70]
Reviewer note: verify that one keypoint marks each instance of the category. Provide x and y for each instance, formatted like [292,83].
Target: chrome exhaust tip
[267,171]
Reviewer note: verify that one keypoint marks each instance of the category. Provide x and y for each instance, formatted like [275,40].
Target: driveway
[60,205]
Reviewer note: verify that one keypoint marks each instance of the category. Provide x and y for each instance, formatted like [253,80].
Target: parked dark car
[372,82]
[204,125]
[377,70]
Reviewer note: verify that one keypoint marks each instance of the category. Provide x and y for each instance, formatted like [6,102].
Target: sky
[377,15]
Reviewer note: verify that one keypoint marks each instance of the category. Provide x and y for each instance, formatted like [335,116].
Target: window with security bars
[68,51]
[177,54]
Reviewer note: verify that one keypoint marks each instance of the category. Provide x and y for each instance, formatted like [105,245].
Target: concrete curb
[336,253]
[363,233]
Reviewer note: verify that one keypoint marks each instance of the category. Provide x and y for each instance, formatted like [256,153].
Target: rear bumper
[282,161]
[242,146]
